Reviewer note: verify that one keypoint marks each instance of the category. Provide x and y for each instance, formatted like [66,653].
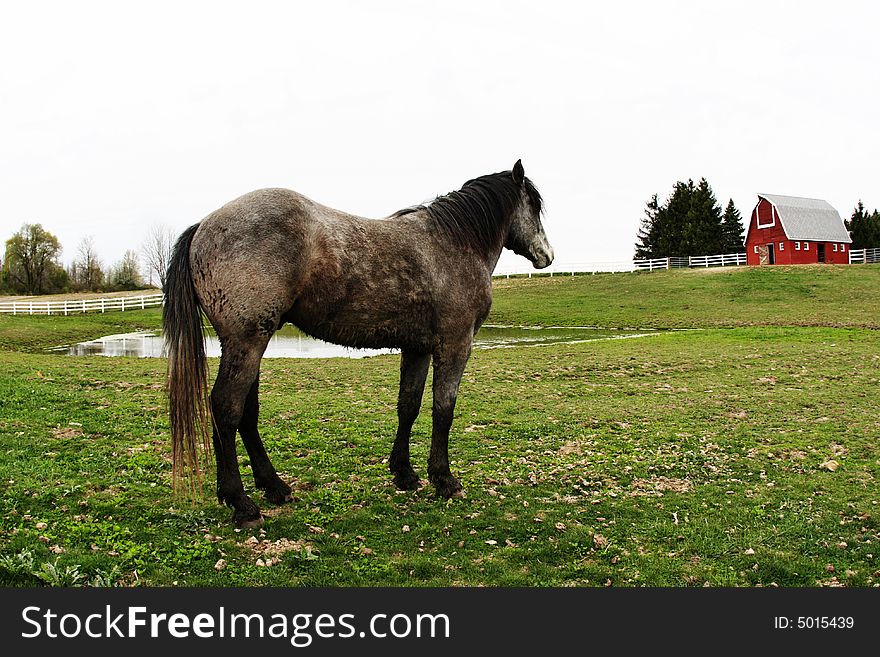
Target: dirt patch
[66,432]
[269,553]
[656,486]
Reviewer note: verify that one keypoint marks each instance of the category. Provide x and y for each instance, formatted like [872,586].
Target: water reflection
[290,342]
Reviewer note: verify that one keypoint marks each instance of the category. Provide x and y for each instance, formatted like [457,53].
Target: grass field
[741,454]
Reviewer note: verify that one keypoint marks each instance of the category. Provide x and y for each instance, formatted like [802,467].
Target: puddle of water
[290,342]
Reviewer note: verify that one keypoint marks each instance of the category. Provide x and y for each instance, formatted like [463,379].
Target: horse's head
[526,235]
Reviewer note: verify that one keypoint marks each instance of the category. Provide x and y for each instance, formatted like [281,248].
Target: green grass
[681,459]
[820,295]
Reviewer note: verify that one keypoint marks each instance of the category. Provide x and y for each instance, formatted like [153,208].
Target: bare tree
[126,274]
[87,267]
[157,252]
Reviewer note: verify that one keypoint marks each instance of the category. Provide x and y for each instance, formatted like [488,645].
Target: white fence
[726,260]
[863,256]
[572,268]
[721,260]
[563,269]
[81,305]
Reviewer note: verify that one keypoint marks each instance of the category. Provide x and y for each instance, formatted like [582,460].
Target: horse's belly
[365,330]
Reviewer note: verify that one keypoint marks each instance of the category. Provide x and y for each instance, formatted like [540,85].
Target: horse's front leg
[413,372]
[449,362]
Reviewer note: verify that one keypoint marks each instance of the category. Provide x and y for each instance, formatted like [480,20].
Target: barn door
[820,252]
[764,255]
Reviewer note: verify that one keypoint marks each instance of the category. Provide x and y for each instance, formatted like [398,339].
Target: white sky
[115,116]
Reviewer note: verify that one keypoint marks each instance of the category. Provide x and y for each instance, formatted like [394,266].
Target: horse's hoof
[449,487]
[278,495]
[247,514]
[248,523]
[407,480]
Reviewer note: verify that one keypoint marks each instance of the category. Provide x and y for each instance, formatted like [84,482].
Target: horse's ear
[518,173]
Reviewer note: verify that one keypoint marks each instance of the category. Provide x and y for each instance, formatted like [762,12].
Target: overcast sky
[119,115]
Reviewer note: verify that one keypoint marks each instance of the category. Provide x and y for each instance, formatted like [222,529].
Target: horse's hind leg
[413,371]
[265,477]
[239,367]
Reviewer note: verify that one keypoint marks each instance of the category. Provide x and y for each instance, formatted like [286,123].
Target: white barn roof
[808,219]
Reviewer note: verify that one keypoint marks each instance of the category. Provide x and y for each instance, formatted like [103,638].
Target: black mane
[476,214]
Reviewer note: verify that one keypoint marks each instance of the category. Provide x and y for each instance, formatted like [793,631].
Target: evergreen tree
[703,234]
[864,228]
[648,229]
[674,221]
[873,240]
[689,223]
[733,234]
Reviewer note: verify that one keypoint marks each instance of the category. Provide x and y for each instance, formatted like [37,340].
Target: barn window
[782,246]
[835,248]
[756,248]
[772,221]
[806,246]
[842,248]
[797,246]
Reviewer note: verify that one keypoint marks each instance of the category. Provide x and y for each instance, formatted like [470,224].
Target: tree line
[864,228]
[32,265]
[691,223]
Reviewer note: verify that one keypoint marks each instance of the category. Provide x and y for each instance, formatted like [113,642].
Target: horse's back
[274,256]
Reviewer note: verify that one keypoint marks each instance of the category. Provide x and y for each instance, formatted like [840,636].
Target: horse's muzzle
[542,255]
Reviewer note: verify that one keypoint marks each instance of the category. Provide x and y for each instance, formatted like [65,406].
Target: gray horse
[419,280]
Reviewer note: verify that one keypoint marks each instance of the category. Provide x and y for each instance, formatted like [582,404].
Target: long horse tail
[189,406]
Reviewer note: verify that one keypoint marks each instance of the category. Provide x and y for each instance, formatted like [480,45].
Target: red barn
[788,230]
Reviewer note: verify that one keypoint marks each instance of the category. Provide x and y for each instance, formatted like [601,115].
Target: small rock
[842,545]
[750,551]
[405,529]
[600,541]
[829,568]
[491,542]
[41,525]
[220,565]
[831,465]
[261,563]
[560,526]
